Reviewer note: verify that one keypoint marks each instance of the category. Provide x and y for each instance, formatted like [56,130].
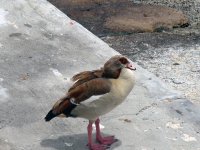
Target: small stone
[127,120]
[188,138]
[176,81]
[173,125]
[28,25]
[179,112]
[25,76]
[176,64]
[69,144]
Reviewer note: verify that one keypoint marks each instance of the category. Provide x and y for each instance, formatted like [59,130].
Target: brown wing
[98,86]
[88,74]
[84,91]
[85,76]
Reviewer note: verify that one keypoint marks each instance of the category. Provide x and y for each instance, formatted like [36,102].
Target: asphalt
[40,49]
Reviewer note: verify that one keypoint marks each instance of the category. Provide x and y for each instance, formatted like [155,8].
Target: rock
[177,81]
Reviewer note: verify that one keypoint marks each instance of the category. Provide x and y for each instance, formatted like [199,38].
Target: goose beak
[130,66]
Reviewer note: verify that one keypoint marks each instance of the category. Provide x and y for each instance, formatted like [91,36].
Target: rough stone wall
[190,7]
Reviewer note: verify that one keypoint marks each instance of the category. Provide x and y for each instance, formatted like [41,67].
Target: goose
[96,93]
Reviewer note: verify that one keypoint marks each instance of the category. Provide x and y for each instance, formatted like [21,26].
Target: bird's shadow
[72,142]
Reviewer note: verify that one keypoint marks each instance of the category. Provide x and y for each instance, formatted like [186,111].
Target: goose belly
[92,110]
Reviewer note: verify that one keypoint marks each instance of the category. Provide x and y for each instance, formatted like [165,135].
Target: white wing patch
[91,99]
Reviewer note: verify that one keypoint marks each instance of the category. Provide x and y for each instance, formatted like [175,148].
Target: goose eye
[123,60]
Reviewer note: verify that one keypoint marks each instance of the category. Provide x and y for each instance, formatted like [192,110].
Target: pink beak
[130,66]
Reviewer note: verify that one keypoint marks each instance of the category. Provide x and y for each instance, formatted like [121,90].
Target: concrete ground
[40,49]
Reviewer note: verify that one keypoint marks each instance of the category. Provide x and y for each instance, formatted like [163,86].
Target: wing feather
[80,93]
[84,91]
[85,76]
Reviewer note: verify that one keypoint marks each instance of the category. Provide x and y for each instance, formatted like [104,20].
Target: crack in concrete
[145,108]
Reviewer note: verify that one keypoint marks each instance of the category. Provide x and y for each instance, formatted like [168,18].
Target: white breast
[121,87]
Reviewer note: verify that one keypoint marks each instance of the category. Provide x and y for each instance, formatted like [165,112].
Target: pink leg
[91,145]
[103,140]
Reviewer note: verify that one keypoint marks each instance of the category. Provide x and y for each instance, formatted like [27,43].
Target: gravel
[185,76]
[174,58]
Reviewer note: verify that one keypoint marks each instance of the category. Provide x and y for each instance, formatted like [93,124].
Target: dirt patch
[107,17]
[145,18]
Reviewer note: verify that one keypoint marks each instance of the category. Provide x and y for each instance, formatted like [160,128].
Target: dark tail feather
[50,116]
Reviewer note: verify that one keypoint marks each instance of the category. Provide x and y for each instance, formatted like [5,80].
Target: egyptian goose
[96,93]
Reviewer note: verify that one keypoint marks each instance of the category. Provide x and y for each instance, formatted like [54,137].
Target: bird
[95,93]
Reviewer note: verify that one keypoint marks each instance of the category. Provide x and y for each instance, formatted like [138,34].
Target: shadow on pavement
[72,142]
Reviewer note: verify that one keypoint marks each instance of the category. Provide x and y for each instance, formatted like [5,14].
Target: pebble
[176,81]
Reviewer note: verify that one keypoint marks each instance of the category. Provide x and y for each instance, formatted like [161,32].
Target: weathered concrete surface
[121,16]
[40,48]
